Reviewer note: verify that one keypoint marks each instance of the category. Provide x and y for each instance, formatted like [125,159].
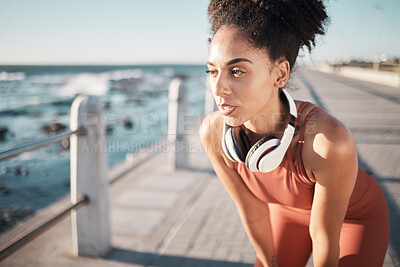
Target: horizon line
[104,64]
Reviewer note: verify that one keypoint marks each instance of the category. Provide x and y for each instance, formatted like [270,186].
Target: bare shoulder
[211,131]
[211,128]
[328,144]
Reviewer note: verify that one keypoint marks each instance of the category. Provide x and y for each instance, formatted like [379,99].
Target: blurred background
[126,52]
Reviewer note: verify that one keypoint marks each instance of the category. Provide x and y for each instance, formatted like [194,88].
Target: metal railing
[82,130]
[15,151]
[21,241]
[10,247]
[89,183]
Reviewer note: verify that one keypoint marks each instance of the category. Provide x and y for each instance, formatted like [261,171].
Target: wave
[85,83]
[54,79]
[11,76]
[96,84]
[122,74]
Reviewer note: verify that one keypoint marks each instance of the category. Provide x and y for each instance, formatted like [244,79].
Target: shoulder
[328,144]
[210,132]
[211,128]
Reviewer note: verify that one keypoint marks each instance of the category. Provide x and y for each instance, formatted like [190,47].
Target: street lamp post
[377,60]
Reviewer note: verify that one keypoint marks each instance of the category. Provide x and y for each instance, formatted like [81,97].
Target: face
[240,78]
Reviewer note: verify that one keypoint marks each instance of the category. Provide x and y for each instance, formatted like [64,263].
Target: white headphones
[267,153]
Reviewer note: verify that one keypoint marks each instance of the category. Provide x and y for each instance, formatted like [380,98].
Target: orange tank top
[289,184]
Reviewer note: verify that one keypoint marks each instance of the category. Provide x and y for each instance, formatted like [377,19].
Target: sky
[358,30]
[169,32]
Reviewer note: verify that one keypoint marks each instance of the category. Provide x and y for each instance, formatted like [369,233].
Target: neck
[271,120]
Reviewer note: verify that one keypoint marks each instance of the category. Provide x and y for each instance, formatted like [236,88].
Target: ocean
[36,100]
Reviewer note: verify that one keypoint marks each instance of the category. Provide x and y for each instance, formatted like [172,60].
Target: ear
[282,69]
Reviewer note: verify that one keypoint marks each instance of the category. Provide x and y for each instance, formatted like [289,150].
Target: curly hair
[281,27]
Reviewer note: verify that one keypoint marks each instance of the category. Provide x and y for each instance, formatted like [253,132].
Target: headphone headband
[292,105]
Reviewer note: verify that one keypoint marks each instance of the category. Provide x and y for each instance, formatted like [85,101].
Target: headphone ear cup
[260,150]
[225,146]
[231,144]
[242,144]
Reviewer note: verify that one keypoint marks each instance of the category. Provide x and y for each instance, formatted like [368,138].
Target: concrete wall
[381,77]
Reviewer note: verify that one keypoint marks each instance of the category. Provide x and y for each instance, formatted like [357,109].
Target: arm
[253,213]
[332,159]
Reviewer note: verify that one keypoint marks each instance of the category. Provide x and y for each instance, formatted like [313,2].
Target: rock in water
[53,128]
[3,133]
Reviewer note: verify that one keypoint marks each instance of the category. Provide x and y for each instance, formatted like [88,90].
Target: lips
[226,109]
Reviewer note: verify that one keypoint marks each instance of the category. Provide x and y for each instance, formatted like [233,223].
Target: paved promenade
[185,218]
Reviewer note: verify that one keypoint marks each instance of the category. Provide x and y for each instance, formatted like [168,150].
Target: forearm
[260,234]
[325,254]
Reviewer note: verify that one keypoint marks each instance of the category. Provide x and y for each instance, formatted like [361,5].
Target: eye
[212,72]
[236,72]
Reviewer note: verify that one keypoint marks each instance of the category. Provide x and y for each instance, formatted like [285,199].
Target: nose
[220,86]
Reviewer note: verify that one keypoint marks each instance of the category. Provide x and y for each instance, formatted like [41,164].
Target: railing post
[177,112]
[91,223]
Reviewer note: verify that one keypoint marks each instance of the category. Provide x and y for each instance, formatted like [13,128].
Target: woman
[301,191]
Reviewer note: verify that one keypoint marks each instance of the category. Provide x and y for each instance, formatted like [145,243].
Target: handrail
[23,240]
[149,109]
[15,151]
[84,179]
[137,114]
[111,123]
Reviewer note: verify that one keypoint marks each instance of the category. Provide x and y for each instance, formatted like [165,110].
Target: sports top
[290,186]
